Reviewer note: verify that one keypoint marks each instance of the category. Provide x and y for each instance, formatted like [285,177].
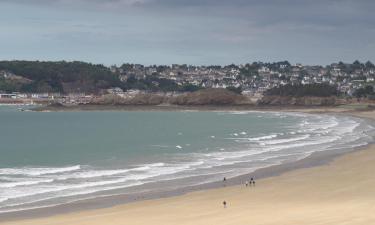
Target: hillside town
[255,78]
[249,79]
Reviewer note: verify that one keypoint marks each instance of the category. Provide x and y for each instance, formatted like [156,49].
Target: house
[115,90]
[8,96]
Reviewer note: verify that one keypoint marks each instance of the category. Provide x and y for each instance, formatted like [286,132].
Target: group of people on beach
[249,183]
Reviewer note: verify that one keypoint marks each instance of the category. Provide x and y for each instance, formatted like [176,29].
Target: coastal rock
[210,97]
[201,97]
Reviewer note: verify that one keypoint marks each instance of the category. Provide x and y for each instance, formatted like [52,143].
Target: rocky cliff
[210,97]
[201,97]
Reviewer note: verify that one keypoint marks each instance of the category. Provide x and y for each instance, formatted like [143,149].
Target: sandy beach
[339,192]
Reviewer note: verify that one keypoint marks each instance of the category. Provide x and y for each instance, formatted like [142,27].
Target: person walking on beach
[224,204]
[246,183]
[225,181]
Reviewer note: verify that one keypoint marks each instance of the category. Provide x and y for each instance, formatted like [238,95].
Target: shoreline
[245,107]
[316,159]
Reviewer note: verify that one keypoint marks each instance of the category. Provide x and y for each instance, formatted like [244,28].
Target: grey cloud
[219,29]
[209,3]
[275,14]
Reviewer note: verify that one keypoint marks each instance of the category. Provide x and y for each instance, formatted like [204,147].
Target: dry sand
[341,192]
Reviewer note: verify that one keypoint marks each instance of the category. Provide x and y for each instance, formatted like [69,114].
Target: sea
[54,158]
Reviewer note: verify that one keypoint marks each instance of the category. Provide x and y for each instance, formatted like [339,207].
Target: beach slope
[341,192]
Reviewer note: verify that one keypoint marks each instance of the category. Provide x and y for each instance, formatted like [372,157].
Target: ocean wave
[153,170]
[148,166]
[36,171]
[84,189]
[24,183]
[247,139]
[286,140]
[31,191]
[263,137]
[7,208]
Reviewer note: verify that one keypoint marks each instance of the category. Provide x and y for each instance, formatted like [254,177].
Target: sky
[199,32]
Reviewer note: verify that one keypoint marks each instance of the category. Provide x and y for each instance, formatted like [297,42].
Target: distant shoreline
[92,107]
[307,109]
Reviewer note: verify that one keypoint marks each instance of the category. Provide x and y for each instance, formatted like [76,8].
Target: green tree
[319,90]
[237,90]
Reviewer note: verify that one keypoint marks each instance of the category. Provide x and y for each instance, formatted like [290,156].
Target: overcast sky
[188,31]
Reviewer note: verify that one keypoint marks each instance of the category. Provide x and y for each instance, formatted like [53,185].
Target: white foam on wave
[304,144]
[149,171]
[67,194]
[286,140]
[247,139]
[94,173]
[31,191]
[37,171]
[319,125]
[84,192]
[263,137]
[147,166]
[24,183]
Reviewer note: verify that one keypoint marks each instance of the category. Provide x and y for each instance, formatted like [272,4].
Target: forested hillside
[317,90]
[67,77]
[59,76]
